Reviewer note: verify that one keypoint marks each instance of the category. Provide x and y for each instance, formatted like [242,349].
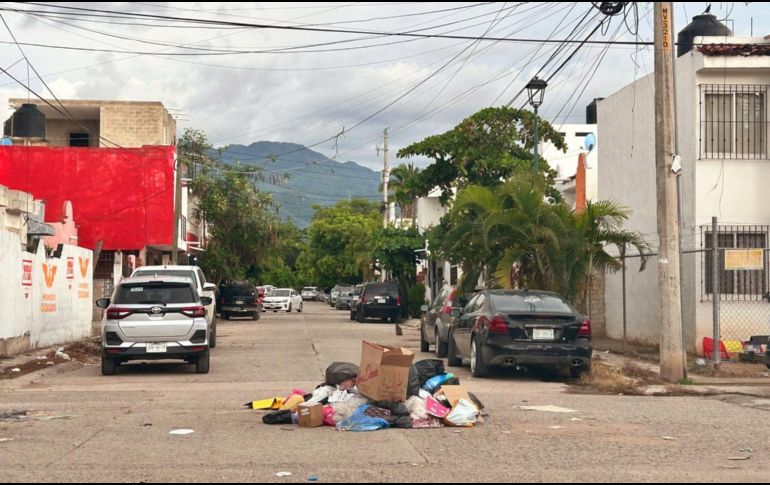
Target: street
[116,429]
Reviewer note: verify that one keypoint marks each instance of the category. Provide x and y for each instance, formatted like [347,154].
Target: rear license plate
[543,334]
[239,302]
[156,348]
[381,300]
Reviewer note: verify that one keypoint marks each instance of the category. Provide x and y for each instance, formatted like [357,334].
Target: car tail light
[194,312]
[118,313]
[197,349]
[222,300]
[585,329]
[498,325]
[363,299]
[398,301]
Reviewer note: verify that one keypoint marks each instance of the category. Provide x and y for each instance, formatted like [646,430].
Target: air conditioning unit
[19,201]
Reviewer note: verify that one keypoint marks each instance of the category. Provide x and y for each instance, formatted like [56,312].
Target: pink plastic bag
[328,412]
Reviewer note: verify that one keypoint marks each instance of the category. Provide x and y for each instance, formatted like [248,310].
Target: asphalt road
[116,429]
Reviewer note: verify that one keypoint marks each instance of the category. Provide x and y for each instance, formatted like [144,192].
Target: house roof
[744,50]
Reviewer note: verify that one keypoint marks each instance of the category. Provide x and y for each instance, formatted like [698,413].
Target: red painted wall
[123,196]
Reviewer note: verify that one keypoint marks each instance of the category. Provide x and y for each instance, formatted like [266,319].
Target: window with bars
[733,121]
[737,284]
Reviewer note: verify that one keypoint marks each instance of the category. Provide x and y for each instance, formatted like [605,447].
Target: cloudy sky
[311,86]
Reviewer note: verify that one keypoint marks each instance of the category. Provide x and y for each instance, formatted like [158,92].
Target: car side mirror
[206,301]
[457,312]
[209,287]
[103,303]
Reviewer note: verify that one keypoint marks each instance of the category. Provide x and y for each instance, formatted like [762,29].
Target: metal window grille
[743,285]
[733,121]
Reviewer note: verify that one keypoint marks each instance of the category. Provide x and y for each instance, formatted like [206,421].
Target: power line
[327,30]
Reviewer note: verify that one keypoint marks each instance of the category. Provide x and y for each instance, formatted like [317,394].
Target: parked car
[262,292]
[333,295]
[356,295]
[239,299]
[310,293]
[378,300]
[154,318]
[511,328]
[283,299]
[194,274]
[436,320]
[344,300]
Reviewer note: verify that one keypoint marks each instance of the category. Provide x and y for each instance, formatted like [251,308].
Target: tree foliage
[484,149]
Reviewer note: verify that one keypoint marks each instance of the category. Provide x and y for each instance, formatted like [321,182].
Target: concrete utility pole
[669,286]
[385,180]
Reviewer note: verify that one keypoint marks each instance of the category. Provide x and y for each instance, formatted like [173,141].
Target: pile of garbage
[385,391]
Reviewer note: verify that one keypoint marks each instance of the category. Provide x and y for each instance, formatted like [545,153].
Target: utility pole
[177,210]
[385,180]
[669,285]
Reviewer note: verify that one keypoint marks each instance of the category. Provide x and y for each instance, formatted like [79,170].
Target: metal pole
[679,205]
[177,210]
[715,287]
[537,142]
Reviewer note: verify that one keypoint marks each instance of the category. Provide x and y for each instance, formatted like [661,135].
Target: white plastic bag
[464,413]
[343,410]
[417,408]
[321,393]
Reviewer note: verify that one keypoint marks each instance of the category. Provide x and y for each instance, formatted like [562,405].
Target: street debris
[61,355]
[548,409]
[13,416]
[182,432]
[283,474]
[15,369]
[391,392]
[668,438]
[312,478]
[739,458]
[746,450]
[6,440]
[556,427]
[575,420]
[55,418]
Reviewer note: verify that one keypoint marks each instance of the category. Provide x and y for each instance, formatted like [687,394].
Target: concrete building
[722,127]
[581,139]
[434,273]
[106,124]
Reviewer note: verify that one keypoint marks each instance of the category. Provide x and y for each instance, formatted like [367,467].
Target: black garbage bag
[428,369]
[413,388]
[339,372]
[277,417]
[402,422]
[395,408]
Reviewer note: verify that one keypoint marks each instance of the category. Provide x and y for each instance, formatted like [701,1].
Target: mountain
[300,178]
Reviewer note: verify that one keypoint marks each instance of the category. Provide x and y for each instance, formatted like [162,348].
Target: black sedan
[509,328]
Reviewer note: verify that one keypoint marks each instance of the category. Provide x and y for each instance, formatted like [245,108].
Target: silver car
[155,318]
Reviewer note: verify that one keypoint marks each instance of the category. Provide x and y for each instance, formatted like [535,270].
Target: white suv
[310,293]
[194,274]
[155,318]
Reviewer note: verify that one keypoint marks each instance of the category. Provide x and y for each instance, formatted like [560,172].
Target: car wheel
[441,347]
[424,345]
[352,316]
[396,318]
[109,366]
[203,363]
[478,367]
[289,310]
[361,316]
[213,337]
[299,310]
[575,372]
[452,359]
[275,311]
[225,316]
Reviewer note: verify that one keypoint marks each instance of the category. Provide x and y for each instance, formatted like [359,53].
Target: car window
[469,308]
[155,293]
[183,273]
[281,293]
[480,302]
[522,303]
[201,277]
[438,303]
[382,289]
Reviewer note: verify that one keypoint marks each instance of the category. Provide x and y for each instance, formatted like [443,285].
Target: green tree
[337,249]
[484,149]
[394,250]
[402,185]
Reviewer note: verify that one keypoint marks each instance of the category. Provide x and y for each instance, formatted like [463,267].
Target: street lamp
[536,91]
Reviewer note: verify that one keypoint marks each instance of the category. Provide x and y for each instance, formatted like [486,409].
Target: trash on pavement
[312,478]
[378,394]
[463,414]
[384,372]
[283,474]
[668,438]
[339,372]
[361,421]
[739,458]
[435,408]
[13,416]
[547,409]
[61,355]
[6,440]
[182,432]
[15,369]
[310,415]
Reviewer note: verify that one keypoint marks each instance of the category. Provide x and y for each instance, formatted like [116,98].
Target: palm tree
[400,183]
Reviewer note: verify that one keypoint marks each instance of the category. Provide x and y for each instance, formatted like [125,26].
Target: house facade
[722,131]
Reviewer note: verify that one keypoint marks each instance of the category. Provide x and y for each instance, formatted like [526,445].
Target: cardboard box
[384,372]
[310,415]
[455,393]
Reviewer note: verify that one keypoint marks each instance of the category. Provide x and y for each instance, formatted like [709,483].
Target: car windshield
[534,303]
[238,289]
[183,273]
[308,288]
[281,293]
[155,294]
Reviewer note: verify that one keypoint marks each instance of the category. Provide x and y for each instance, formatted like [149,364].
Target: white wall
[567,163]
[49,315]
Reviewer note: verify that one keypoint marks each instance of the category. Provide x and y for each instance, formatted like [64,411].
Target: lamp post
[536,91]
